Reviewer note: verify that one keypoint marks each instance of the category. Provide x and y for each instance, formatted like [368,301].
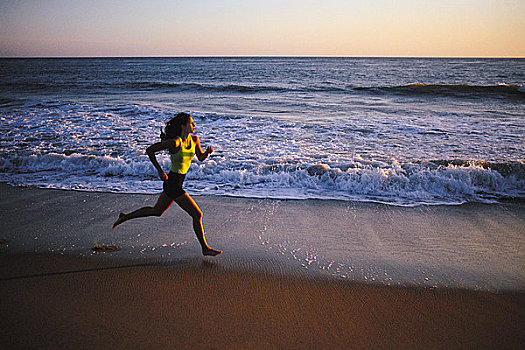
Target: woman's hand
[157,147]
[209,150]
[163,175]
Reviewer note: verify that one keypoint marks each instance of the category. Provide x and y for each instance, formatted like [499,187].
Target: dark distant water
[398,131]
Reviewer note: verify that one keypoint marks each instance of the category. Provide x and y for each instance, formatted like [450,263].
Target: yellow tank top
[181,161]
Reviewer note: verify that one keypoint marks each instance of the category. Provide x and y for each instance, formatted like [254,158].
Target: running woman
[182,146]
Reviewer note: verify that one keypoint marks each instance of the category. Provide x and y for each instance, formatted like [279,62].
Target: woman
[182,147]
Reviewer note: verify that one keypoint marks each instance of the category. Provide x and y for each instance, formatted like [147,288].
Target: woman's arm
[201,156]
[157,147]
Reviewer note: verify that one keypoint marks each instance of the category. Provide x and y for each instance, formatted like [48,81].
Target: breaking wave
[454,90]
[406,184]
[417,89]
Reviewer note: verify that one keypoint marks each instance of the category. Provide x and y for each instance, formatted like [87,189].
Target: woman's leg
[163,203]
[188,205]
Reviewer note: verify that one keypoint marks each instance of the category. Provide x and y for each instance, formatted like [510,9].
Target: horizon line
[260,56]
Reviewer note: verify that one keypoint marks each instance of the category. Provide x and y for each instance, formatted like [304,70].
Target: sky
[421,28]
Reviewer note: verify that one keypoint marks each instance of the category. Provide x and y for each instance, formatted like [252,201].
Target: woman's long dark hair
[173,127]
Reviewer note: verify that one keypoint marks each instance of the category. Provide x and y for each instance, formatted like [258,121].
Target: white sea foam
[401,184]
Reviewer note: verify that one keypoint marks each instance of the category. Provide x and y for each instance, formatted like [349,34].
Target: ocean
[394,144]
[400,131]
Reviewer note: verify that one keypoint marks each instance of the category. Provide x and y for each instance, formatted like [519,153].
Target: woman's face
[190,126]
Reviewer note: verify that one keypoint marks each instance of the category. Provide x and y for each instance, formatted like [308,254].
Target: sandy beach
[69,298]
[52,302]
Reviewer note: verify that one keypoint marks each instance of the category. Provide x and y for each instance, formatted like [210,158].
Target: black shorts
[173,185]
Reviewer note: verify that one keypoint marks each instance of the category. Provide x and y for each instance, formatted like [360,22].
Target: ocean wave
[457,90]
[411,183]
[501,90]
[450,90]
[402,184]
[8,102]
[506,169]
[144,86]
[75,164]
[233,88]
[203,87]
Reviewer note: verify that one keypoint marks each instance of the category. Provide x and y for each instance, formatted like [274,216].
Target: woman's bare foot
[120,220]
[210,251]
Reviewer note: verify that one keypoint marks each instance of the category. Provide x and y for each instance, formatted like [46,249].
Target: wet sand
[54,301]
[243,299]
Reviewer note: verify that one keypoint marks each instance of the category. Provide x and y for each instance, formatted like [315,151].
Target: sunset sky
[262,28]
